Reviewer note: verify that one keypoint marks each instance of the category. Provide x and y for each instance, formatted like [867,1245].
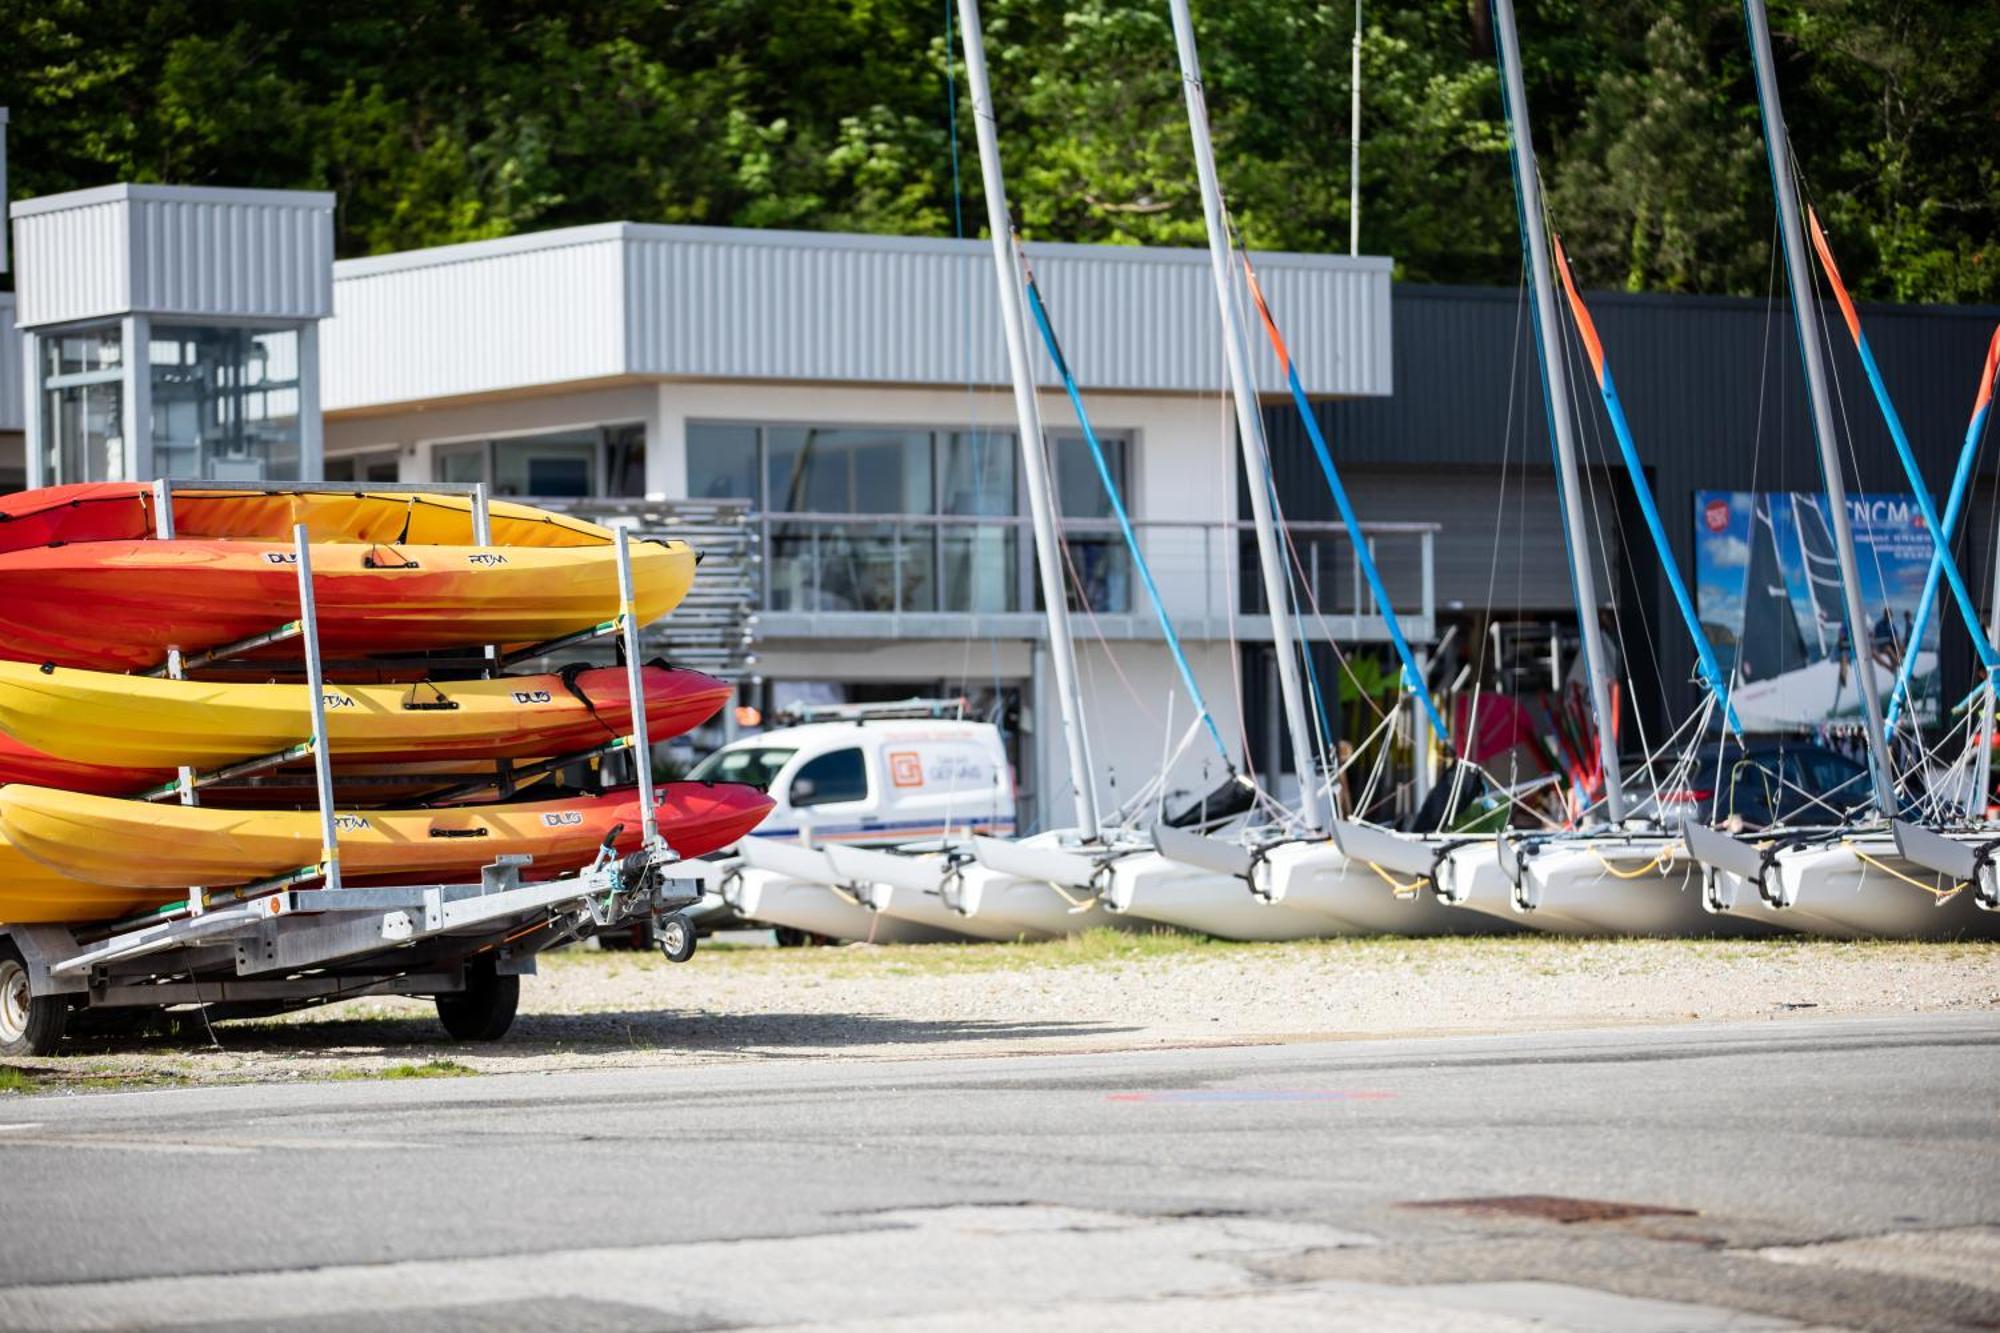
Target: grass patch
[428,1069]
[16,1080]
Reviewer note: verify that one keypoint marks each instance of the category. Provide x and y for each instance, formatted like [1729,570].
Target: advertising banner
[1768,592]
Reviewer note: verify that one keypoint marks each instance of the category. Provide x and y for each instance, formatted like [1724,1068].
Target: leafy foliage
[436,121]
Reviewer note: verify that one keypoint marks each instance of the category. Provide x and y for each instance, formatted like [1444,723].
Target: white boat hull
[1617,885]
[929,911]
[1029,906]
[1834,891]
[1173,893]
[1355,900]
[774,899]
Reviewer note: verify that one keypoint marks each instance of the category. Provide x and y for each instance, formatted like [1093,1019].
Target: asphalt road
[1836,1173]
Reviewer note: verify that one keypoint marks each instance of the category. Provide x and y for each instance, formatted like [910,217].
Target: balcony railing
[914,574]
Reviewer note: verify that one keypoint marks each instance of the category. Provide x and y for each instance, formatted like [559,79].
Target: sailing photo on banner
[1768,589]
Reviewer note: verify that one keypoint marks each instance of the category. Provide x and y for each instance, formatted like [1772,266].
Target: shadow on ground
[684,1031]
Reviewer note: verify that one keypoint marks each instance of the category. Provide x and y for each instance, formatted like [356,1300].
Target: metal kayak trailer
[275,946]
[465,945]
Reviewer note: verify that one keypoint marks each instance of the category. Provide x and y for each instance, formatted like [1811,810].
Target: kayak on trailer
[99,511]
[289,785]
[32,894]
[168,847]
[144,723]
[120,605]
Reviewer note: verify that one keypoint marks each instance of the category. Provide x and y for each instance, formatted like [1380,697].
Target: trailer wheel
[484,1010]
[30,1024]
[676,937]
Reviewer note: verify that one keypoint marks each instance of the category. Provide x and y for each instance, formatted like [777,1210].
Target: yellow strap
[1663,858]
[1401,889]
[1893,873]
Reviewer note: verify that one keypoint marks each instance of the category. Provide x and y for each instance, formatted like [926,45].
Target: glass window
[979,561]
[570,464]
[86,432]
[845,471]
[1097,552]
[225,402]
[461,463]
[839,776]
[84,351]
[721,462]
[625,461]
[373,468]
[559,465]
[1079,490]
[758,767]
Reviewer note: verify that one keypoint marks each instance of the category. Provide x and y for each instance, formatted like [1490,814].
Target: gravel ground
[1099,992]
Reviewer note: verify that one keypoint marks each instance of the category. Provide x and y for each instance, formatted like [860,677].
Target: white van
[873,779]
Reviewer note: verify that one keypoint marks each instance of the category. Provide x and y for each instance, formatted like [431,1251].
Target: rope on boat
[1661,860]
[1942,895]
[1402,890]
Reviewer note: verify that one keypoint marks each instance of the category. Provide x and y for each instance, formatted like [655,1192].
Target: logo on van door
[906,768]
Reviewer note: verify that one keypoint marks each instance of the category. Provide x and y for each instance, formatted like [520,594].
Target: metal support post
[635,679]
[316,687]
[1805,317]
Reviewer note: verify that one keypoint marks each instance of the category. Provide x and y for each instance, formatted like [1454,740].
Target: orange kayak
[124,511]
[120,605]
[165,848]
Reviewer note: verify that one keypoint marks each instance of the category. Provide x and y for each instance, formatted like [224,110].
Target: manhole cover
[1554,1208]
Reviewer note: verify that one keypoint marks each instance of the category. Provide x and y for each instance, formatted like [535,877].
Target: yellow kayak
[168,847]
[32,894]
[142,722]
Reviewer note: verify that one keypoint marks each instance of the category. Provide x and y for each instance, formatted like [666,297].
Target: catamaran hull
[1356,900]
[1619,886]
[1153,888]
[1030,906]
[929,911]
[773,899]
[1834,891]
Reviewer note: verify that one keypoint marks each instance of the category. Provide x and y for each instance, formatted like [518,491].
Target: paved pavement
[1825,1173]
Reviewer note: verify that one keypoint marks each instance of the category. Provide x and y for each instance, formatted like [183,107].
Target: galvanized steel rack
[275,946]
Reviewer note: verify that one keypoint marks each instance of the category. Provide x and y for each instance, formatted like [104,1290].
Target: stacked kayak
[164,848]
[137,730]
[422,761]
[82,586]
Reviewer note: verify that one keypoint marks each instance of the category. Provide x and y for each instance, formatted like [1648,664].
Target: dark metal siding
[1716,399]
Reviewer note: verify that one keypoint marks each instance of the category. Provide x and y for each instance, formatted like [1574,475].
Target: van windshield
[756,766]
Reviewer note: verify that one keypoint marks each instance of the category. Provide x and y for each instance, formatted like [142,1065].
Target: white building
[849,390]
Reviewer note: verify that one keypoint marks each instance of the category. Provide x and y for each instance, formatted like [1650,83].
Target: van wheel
[30,1024]
[484,1010]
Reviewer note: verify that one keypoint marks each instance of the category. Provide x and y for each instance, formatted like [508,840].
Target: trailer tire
[677,936]
[484,1010]
[30,1024]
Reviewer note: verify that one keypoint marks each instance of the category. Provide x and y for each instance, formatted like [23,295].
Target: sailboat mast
[1250,430]
[1028,414]
[1805,316]
[1555,384]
